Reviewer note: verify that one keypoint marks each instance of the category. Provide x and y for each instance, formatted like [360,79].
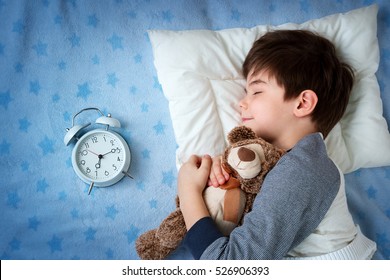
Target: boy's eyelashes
[253,93]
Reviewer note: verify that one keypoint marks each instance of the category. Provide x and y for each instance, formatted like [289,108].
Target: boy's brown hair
[301,60]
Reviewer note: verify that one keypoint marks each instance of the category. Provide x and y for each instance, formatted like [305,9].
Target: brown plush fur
[158,243]
[241,136]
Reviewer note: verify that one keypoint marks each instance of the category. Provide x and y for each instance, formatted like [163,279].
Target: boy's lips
[246,119]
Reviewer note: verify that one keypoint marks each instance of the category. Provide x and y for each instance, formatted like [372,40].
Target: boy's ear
[306,103]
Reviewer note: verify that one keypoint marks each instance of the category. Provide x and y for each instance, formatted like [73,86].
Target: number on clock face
[100,156]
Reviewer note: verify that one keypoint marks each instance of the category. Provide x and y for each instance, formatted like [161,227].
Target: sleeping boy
[297,90]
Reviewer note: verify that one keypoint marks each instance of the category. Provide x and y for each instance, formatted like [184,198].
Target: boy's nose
[242,103]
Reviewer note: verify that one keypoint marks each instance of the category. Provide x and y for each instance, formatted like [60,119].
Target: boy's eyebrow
[258,81]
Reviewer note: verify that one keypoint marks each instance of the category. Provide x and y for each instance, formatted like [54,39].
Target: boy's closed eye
[254,93]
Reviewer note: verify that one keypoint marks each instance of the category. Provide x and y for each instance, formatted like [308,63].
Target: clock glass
[101,156]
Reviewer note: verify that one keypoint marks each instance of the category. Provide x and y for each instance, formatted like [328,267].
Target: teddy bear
[247,159]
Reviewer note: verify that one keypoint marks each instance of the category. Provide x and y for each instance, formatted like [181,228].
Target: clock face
[100,156]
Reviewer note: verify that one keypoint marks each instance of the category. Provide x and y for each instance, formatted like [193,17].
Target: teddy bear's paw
[145,244]
[172,230]
[149,247]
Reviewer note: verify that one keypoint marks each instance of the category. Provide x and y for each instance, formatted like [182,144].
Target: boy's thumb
[206,162]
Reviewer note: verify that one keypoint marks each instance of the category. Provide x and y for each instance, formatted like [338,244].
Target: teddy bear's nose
[245,154]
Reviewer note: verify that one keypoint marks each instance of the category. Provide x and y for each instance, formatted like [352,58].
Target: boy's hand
[193,174]
[191,181]
[218,175]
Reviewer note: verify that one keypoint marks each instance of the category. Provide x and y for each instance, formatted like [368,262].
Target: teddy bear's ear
[240,133]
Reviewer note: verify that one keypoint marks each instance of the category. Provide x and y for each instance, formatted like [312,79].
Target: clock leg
[127,174]
[90,187]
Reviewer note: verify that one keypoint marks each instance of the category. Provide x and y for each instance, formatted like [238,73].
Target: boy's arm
[192,179]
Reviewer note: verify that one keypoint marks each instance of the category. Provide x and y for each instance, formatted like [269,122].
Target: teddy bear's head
[249,158]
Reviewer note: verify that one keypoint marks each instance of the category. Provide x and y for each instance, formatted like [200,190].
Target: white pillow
[200,74]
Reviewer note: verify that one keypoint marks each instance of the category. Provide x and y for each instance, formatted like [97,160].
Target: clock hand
[100,156]
[97,165]
[112,151]
[93,152]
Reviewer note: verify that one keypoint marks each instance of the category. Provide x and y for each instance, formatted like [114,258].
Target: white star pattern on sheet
[58,57]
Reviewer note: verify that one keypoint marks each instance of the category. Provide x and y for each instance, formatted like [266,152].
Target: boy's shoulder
[310,148]
[308,163]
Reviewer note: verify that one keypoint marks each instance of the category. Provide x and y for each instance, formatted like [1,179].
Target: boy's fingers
[206,163]
[201,162]
[194,159]
[225,174]
[219,176]
[212,180]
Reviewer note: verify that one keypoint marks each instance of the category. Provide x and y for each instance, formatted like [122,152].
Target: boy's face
[263,109]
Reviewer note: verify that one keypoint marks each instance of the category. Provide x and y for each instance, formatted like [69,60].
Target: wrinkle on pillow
[200,74]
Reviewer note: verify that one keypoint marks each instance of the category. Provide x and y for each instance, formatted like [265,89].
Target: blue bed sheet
[57,57]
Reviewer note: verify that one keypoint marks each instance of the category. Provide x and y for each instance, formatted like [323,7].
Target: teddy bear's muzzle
[246,160]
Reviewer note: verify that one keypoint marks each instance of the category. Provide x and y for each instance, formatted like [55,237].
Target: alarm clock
[100,157]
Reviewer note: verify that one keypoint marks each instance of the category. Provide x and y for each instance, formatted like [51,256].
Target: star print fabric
[57,57]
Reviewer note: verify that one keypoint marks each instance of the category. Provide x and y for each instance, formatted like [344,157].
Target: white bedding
[200,73]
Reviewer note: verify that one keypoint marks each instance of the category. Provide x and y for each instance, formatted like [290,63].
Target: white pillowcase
[200,74]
